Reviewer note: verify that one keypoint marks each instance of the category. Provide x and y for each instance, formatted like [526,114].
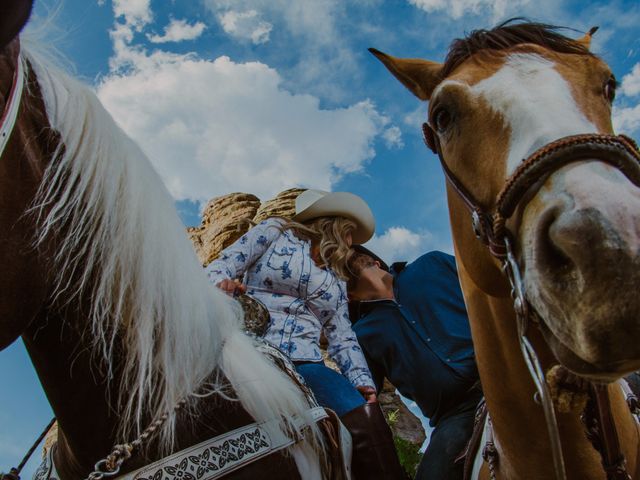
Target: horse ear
[586,40]
[13,16]
[419,76]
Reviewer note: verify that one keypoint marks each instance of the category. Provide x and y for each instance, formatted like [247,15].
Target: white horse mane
[120,241]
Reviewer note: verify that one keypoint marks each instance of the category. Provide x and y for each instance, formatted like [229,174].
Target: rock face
[225,219]
[406,425]
[282,205]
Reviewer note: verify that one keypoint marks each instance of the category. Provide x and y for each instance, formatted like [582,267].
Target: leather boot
[374,454]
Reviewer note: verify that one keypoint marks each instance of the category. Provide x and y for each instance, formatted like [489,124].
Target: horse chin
[599,372]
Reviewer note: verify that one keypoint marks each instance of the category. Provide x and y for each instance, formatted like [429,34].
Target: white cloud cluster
[402,244]
[321,61]
[215,126]
[309,18]
[630,85]
[393,137]
[245,25]
[136,13]
[626,119]
[212,127]
[457,8]
[177,31]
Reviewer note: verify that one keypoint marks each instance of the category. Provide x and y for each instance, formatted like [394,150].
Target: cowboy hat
[365,251]
[312,204]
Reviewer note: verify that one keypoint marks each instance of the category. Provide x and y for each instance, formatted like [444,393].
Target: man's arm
[377,371]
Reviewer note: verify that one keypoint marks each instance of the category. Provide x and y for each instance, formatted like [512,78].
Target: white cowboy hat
[312,204]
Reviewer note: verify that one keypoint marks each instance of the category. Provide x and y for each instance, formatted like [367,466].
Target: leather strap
[616,150]
[472,449]
[223,454]
[619,151]
[613,460]
[211,459]
[10,114]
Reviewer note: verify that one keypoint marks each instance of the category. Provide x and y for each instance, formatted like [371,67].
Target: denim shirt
[302,298]
[421,341]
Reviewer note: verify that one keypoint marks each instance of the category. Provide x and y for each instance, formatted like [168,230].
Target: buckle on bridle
[476,224]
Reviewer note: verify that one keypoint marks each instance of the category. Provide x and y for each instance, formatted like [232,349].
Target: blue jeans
[448,439]
[331,389]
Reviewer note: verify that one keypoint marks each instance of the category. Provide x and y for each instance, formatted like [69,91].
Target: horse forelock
[120,243]
[509,34]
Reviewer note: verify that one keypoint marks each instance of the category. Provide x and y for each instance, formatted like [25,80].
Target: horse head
[500,96]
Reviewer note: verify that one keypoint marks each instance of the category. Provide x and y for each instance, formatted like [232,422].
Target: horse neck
[76,388]
[85,403]
[518,421]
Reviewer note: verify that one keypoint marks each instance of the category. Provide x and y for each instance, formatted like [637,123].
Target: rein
[618,151]
[10,113]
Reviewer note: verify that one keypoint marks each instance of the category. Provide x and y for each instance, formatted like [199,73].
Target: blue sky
[263,95]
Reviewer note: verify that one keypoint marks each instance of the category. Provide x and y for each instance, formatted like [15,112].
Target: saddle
[250,442]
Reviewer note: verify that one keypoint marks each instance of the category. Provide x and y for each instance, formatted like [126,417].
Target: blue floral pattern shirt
[302,298]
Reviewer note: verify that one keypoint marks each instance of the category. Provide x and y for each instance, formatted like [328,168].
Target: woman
[297,269]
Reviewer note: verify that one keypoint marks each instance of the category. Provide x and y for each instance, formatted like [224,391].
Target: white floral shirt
[302,298]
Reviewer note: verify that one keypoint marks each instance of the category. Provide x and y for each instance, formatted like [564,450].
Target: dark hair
[515,31]
[355,265]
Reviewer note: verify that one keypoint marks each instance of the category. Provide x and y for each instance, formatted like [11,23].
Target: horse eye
[610,89]
[441,120]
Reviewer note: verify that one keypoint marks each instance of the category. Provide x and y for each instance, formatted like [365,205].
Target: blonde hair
[329,234]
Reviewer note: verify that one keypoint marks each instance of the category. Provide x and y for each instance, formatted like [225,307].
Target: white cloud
[416,117]
[136,13]
[393,137]
[177,31]
[215,126]
[246,26]
[631,82]
[212,127]
[402,244]
[457,8]
[319,57]
[309,18]
[626,120]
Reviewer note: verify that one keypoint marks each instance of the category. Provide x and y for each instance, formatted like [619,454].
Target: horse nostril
[550,248]
[575,240]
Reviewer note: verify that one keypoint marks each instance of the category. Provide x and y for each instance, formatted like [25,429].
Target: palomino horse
[521,119]
[122,326]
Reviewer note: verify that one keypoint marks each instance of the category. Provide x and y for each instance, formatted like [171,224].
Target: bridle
[490,228]
[10,113]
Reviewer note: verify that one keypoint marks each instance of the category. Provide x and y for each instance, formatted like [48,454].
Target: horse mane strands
[512,32]
[121,244]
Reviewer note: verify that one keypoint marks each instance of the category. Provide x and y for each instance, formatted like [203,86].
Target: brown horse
[521,118]
[122,326]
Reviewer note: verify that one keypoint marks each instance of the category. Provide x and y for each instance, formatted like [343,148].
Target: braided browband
[618,151]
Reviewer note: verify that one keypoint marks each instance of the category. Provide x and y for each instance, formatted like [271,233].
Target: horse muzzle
[581,259]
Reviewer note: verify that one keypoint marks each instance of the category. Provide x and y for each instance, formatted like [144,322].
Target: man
[412,325]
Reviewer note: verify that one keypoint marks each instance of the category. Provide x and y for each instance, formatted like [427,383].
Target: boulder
[224,220]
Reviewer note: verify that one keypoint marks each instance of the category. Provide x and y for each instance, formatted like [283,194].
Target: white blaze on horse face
[535,102]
